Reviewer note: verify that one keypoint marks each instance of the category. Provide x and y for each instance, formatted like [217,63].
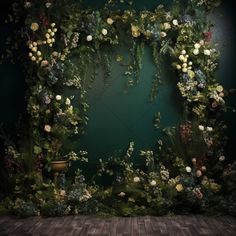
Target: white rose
[68,102]
[201,127]
[104,31]
[221,158]
[201,42]
[195,51]
[166,26]
[58,97]
[47,128]
[181,57]
[175,22]
[207,52]
[183,52]
[136,179]
[89,38]
[185,70]
[48,4]
[110,21]
[188,169]
[163,34]
[153,183]
[121,194]
[197,45]
[209,128]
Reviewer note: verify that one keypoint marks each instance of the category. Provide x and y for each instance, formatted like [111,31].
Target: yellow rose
[34,26]
[135,31]
[179,187]
[219,88]
[191,74]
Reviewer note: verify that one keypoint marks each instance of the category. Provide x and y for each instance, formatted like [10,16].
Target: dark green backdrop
[116,118]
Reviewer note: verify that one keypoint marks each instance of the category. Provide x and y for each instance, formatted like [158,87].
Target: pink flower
[198,173]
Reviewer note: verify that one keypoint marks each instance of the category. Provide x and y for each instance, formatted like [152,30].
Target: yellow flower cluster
[50,35]
[186,65]
[36,54]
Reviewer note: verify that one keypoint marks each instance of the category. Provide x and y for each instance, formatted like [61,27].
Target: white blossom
[89,38]
[201,127]
[136,179]
[58,97]
[175,22]
[188,169]
[153,183]
[104,32]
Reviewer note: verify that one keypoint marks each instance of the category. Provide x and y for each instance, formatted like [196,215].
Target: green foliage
[53,208]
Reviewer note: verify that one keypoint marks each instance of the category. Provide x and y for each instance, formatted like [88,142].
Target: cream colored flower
[58,97]
[110,21]
[209,128]
[89,38]
[201,127]
[175,22]
[188,169]
[34,49]
[222,158]
[166,26]
[219,88]
[207,52]
[34,26]
[179,187]
[104,32]
[121,194]
[191,73]
[135,31]
[153,183]
[68,102]
[136,179]
[48,4]
[195,51]
[163,34]
[33,58]
[181,57]
[183,52]
[197,45]
[178,67]
[47,128]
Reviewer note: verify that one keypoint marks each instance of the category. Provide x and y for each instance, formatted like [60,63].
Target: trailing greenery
[64,46]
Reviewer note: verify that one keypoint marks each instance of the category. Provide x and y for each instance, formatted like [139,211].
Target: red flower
[44,20]
[208,36]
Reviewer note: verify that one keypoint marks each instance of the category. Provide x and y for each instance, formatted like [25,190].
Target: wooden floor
[87,225]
